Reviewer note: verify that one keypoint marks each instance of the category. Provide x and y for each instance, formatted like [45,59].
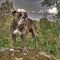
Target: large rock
[33,54]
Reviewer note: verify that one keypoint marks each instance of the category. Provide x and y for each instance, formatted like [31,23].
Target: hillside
[33,54]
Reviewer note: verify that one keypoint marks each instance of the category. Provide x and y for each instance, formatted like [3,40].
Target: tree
[5,19]
[48,3]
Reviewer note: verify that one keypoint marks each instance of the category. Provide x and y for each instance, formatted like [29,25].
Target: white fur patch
[21,10]
[17,32]
[20,21]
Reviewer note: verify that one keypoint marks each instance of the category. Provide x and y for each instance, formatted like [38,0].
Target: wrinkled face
[21,16]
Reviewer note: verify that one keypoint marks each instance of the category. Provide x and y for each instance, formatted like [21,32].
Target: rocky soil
[33,54]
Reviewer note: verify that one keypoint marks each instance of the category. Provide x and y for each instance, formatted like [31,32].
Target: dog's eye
[25,14]
[19,14]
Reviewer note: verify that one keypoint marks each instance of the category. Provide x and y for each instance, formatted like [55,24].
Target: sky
[31,6]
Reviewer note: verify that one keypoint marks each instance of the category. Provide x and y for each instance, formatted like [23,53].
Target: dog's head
[21,15]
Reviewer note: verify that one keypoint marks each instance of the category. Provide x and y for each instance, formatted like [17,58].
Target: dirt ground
[33,54]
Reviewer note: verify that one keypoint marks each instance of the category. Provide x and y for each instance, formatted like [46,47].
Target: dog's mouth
[20,21]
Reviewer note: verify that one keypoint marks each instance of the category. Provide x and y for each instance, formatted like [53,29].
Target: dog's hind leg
[34,36]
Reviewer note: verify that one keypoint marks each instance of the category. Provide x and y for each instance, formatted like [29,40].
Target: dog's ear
[14,12]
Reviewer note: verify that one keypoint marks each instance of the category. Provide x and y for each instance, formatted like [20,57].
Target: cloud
[53,10]
[33,7]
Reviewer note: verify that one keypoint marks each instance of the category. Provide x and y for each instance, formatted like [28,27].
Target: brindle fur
[26,27]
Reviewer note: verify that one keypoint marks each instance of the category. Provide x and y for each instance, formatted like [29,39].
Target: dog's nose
[23,17]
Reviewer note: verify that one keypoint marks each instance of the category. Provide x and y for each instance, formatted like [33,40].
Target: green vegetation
[48,33]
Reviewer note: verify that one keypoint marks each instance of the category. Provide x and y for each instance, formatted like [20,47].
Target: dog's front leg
[24,43]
